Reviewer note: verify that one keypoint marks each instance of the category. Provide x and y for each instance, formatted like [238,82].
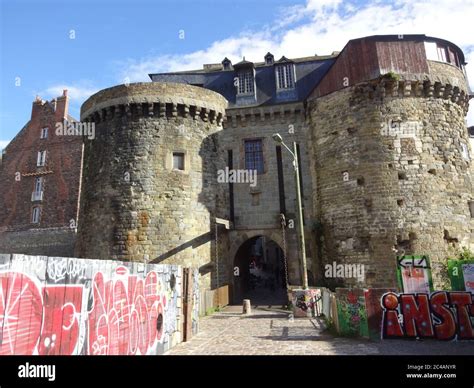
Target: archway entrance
[259,273]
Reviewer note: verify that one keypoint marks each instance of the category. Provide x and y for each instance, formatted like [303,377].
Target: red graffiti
[20,314]
[441,315]
[127,315]
[62,308]
[121,315]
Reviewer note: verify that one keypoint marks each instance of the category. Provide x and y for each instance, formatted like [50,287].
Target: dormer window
[285,76]
[226,64]
[246,83]
[269,59]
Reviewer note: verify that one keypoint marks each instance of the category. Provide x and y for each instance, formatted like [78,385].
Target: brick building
[40,177]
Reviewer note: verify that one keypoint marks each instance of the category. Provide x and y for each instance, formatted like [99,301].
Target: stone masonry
[400,143]
[135,205]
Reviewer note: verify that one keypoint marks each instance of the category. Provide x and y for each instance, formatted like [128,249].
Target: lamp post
[278,139]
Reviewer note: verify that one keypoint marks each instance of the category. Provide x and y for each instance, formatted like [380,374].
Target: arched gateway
[259,272]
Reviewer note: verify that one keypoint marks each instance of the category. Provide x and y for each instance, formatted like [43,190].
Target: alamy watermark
[75,128]
[237,176]
[37,371]
[401,128]
[345,271]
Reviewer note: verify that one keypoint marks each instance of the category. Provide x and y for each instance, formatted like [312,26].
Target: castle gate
[259,272]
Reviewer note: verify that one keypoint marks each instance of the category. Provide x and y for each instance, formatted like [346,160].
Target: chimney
[37,107]
[62,105]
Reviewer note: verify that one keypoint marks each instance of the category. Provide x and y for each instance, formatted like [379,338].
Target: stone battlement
[415,85]
[155,100]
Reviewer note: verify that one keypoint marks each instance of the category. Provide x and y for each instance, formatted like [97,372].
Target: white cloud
[324,26]
[76,93]
[3,144]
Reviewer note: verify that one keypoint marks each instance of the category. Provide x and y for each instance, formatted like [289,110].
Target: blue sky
[48,45]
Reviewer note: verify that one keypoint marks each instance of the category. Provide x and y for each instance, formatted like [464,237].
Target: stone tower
[149,186]
[392,166]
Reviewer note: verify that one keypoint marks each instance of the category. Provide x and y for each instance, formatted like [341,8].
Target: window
[226,64]
[246,82]
[37,194]
[285,76]
[41,160]
[269,59]
[442,54]
[38,185]
[44,133]
[35,215]
[254,155]
[178,161]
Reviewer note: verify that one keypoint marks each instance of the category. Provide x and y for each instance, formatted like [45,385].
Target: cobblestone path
[268,331]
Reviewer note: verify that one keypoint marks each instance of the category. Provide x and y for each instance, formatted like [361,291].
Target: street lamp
[278,139]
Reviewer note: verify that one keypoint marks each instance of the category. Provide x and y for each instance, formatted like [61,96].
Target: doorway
[259,273]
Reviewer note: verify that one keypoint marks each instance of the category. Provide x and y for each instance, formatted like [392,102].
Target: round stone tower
[149,189]
[393,169]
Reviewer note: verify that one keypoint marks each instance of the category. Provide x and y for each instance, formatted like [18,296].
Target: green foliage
[392,76]
[330,326]
[465,254]
[212,310]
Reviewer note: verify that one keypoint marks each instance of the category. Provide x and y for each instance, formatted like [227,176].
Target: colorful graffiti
[414,273]
[442,315]
[63,306]
[374,310]
[351,312]
[307,302]
[461,274]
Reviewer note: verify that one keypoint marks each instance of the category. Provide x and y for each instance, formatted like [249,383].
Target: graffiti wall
[351,311]
[414,273]
[63,306]
[442,315]
[307,303]
[461,274]
[196,302]
[374,310]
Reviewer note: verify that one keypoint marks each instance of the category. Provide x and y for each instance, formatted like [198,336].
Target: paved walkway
[270,332]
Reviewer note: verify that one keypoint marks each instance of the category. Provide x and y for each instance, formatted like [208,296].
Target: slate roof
[309,71]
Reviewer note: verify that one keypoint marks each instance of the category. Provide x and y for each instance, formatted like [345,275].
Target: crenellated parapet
[155,100]
[273,114]
[418,85]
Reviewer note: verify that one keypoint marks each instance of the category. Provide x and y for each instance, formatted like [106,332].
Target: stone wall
[47,241]
[134,205]
[257,209]
[391,174]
